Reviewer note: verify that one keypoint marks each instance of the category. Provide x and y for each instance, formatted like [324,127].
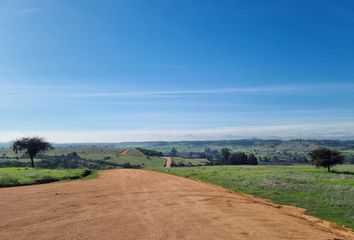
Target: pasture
[91,157]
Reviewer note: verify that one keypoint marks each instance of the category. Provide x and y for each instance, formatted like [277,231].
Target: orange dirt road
[168,163]
[140,204]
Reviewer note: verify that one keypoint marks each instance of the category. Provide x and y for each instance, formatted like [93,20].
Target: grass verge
[10,177]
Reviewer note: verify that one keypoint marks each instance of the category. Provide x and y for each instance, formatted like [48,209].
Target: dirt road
[168,163]
[125,152]
[139,204]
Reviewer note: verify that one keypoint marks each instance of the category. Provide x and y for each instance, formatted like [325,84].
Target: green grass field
[26,176]
[329,196]
[190,162]
[133,157]
[103,155]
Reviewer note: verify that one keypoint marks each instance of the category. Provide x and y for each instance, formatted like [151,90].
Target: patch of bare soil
[125,152]
[140,204]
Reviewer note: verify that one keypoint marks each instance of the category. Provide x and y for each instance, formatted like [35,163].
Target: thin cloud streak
[26,11]
[12,93]
[103,92]
[10,10]
[183,92]
[227,90]
[231,90]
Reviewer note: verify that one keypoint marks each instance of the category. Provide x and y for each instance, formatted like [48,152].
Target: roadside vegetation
[10,177]
[325,195]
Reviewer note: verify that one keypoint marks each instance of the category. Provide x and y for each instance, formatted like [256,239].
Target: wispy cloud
[112,91]
[178,92]
[26,11]
[294,89]
[171,66]
[11,9]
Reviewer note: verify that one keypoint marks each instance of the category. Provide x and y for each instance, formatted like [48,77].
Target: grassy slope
[325,195]
[93,153]
[186,161]
[27,176]
[134,157]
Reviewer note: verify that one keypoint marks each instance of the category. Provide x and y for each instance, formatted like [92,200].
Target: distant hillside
[200,145]
[268,151]
[233,144]
[4,144]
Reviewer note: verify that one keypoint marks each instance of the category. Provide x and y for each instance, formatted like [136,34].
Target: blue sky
[81,71]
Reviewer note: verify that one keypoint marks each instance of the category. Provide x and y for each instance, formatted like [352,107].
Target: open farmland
[91,157]
[267,151]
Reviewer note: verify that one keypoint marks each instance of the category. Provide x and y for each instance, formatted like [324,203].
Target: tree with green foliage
[241,158]
[324,157]
[31,146]
[225,154]
[173,152]
[150,153]
[252,159]
[238,158]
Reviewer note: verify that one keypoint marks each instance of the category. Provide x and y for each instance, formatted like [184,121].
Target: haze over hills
[199,145]
[195,145]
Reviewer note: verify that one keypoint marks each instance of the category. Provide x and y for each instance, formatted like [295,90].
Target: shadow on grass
[342,172]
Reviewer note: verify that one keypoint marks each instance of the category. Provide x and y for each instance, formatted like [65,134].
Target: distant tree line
[236,158]
[215,155]
[150,153]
